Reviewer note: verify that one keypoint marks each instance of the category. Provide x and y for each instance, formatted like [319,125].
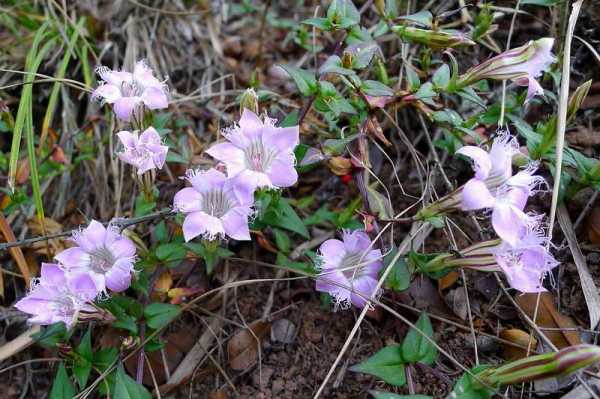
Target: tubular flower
[526,263]
[144,152]
[259,153]
[522,65]
[128,91]
[103,253]
[349,269]
[215,206]
[58,297]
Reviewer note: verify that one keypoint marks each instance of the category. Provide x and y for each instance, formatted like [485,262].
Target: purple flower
[103,253]
[491,171]
[128,91]
[57,297]
[526,263]
[145,152]
[215,206]
[521,65]
[259,153]
[349,265]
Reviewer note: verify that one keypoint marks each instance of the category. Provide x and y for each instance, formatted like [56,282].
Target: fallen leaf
[180,294]
[448,280]
[264,242]
[548,316]
[593,226]
[456,299]
[220,394]
[16,253]
[22,171]
[518,337]
[242,348]
[164,282]
[283,331]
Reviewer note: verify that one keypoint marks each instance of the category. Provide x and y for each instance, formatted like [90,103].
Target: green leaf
[412,78]
[441,77]
[379,204]
[387,364]
[51,335]
[321,23]
[448,116]
[105,357]
[305,81]
[426,93]
[389,395]
[143,205]
[416,348]
[211,257]
[375,88]
[469,94]
[343,14]
[281,214]
[127,388]
[333,64]
[305,267]
[282,240]
[422,18]
[161,233]
[545,3]
[62,387]
[172,253]
[158,315]
[468,388]
[399,277]
[83,362]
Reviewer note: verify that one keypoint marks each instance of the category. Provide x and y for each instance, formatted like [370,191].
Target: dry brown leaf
[242,348]
[593,226]
[520,338]
[164,282]
[264,242]
[16,253]
[220,394]
[548,316]
[448,280]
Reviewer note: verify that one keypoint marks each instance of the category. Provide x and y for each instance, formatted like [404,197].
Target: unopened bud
[340,166]
[249,100]
[577,99]
[553,364]
[347,60]
[436,39]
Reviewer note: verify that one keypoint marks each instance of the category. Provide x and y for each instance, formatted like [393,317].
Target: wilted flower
[349,269]
[145,152]
[215,206]
[103,253]
[259,153]
[522,65]
[526,263]
[128,91]
[56,296]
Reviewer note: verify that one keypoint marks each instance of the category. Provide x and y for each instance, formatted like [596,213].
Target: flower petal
[475,195]
[124,107]
[52,274]
[235,223]
[363,287]
[193,225]
[510,223]
[118,278]
[109,93]
[128,139]
[83,286]
[232,156]
[154,98]
[281,138]
[73,257]
[482,164]
[250,124]
[187,200]
[282,173]
[122,247]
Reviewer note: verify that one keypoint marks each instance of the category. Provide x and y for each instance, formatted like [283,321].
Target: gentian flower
[521,65]
[103,253]
[258,152]
[144,152]
[215,206]
[349,269]
[57,297]
[526,263]
[129,91]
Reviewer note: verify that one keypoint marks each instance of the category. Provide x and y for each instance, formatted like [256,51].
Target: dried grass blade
[16,252]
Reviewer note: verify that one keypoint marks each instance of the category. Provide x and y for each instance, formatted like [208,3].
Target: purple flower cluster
[522,255]
[102,259]
[256,155]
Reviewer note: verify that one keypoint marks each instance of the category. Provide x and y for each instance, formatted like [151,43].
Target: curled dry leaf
[242,348]
[548,316]
[520,338]
[283,331]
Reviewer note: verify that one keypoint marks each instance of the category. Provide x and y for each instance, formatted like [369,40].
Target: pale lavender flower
[103,253]
[129,91]
[491,171]
[58,297]
[521,65]
[259,153]
[144,152]
[215,206]
[526,263]
[349,265]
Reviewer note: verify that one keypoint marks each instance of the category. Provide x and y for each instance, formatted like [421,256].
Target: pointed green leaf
[415,347]
[305,81]
[127,388]
[387,364]
[158,315]
[62,388]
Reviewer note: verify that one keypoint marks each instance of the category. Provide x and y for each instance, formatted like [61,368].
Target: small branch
[120,222]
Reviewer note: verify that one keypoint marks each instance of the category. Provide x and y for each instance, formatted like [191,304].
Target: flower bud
[249,100]
[437,39]
[577,99]
[521,65]
[380,7]
[347,60]
[553,364]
